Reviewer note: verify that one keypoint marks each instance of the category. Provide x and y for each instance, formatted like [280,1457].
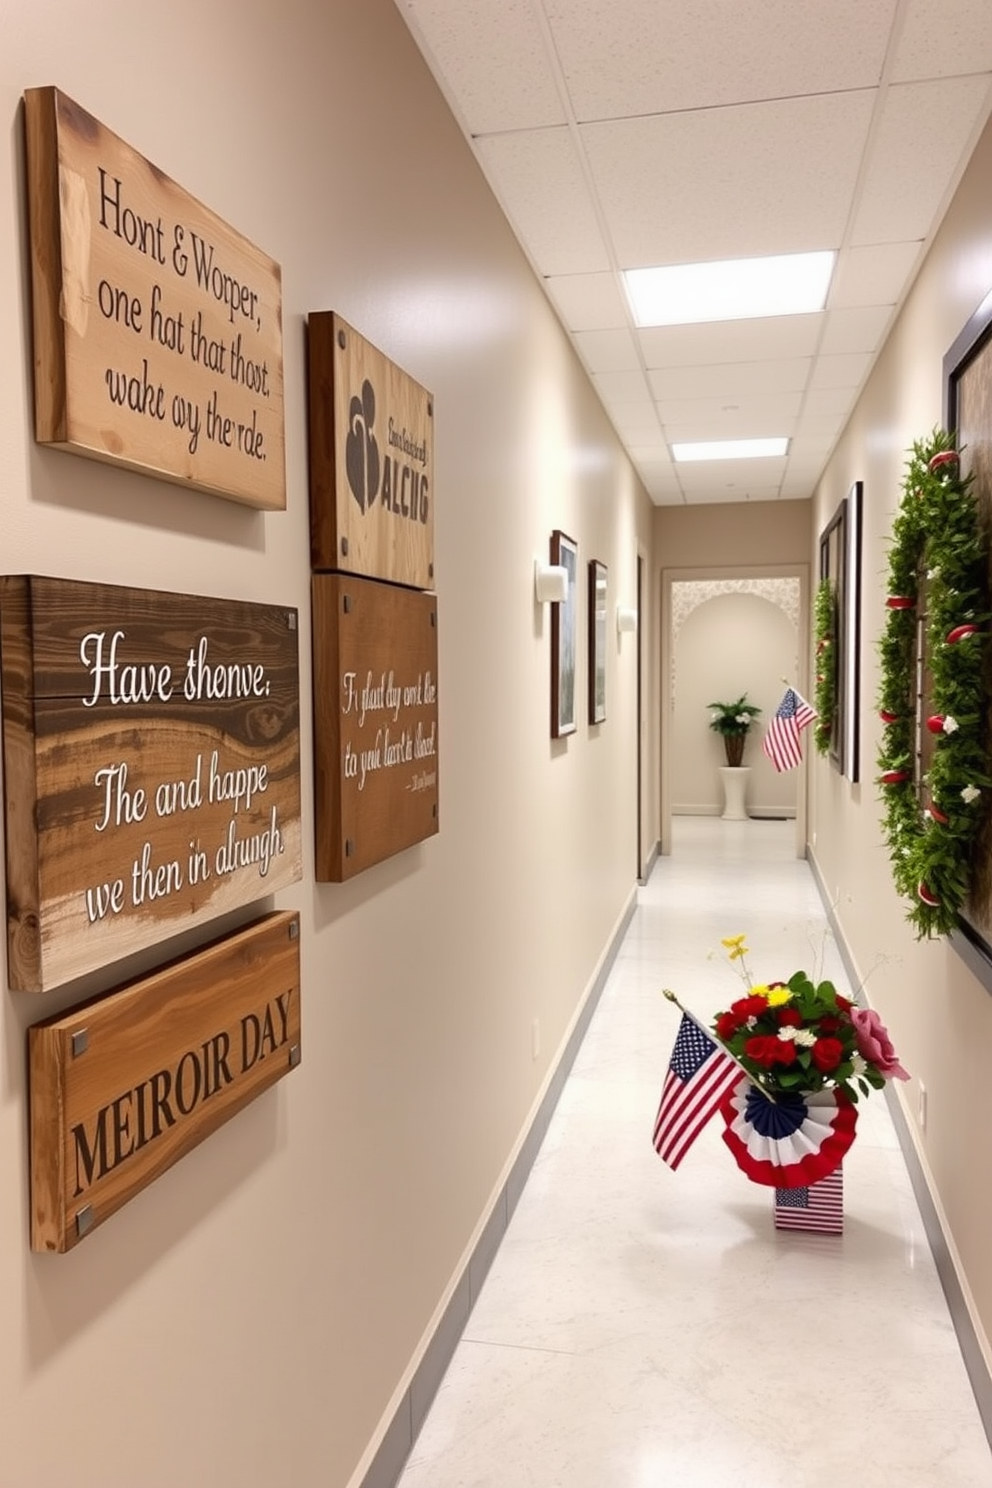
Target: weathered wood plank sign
[123,1087]
[371,460]
[157,327]
[375,722]
[151,749]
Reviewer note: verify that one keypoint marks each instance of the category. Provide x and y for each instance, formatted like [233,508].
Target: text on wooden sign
[375,721]
[157,327]
[151,766]
[124,1086]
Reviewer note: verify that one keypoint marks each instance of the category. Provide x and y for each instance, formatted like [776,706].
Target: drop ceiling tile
[588,302]
[663,497]
[660,56]
[620,387]
[700,475]
[872,275]
[817,422]
[637,423]
[839,371]
[493,60]
[915,155]
[713,419]
[724,495]
[734,380]
[799,489]
[772,338]
[608,351]
[538,179]
[763,178]
[855,330]
[828,403]
[941,39]
[810,447]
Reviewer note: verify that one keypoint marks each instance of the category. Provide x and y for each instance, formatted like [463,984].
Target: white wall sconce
[550,582]
[626,620]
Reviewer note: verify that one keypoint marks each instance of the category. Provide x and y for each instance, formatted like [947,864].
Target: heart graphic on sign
[361,454]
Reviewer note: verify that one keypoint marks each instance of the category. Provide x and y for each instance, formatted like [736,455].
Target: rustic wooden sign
[157,327]
[124,1086]
[375,722]
[151,748]
[371,460]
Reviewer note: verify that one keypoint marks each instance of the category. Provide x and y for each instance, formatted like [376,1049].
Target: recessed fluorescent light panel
[730,449]
[734,289]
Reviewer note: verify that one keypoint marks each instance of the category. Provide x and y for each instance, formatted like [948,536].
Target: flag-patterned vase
[818,1207]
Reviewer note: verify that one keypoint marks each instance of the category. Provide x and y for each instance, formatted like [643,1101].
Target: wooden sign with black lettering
[157,327]
[124,1086]
[371,460]
[375,722]
[151,748]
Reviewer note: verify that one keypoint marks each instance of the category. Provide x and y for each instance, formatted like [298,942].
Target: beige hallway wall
[249,1319]
[938,1014]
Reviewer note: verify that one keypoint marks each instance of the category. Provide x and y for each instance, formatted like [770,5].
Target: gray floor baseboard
[402,1431]
[971,1351]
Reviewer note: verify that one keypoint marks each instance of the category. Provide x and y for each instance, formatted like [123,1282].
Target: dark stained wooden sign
[151,748]
[123,1087]
[157,327]
[375,722]
[371,460]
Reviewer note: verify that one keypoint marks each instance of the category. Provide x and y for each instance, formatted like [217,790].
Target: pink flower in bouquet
[874,1043]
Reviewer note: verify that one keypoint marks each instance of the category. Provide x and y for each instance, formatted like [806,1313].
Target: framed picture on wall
[597,641]
[968,415]
[565,554]
[840,569]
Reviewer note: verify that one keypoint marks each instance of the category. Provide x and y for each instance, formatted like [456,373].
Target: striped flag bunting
[819,1208]
[795,1141]
[782,740]
[700,1075]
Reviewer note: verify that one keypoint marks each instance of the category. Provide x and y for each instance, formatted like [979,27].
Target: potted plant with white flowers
[733,722]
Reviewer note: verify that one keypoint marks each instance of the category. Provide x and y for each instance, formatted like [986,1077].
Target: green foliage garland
[826,666]
[936,541]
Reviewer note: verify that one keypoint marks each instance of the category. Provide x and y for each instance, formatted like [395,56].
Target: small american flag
[820,1207]
[700,1074]
[781,742]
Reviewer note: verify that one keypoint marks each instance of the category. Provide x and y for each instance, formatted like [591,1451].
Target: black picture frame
[840,565]
[597,640]
[967,413]
[564,554]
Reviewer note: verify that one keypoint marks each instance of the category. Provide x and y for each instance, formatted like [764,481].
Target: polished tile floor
[647,1329]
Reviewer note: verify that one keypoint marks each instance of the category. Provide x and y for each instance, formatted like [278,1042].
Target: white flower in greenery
[805,1037]
[751,1023]
[969,794]
[787,1034]
[743,718]
[951,725]
[715,717]
[859,1064]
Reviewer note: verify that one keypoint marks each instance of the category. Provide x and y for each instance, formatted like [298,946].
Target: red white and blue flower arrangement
[809,1054]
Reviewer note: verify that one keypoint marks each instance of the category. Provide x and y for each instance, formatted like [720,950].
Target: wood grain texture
[371,437]
[157,327]
[151,764]
[124,1086]
[375,722]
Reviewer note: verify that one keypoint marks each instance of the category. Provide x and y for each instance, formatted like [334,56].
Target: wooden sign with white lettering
[151,749]
[371,460]
[157,327]
[375,722]
[124,1086]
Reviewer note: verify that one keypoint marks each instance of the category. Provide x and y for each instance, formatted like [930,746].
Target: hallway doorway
[726,633]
